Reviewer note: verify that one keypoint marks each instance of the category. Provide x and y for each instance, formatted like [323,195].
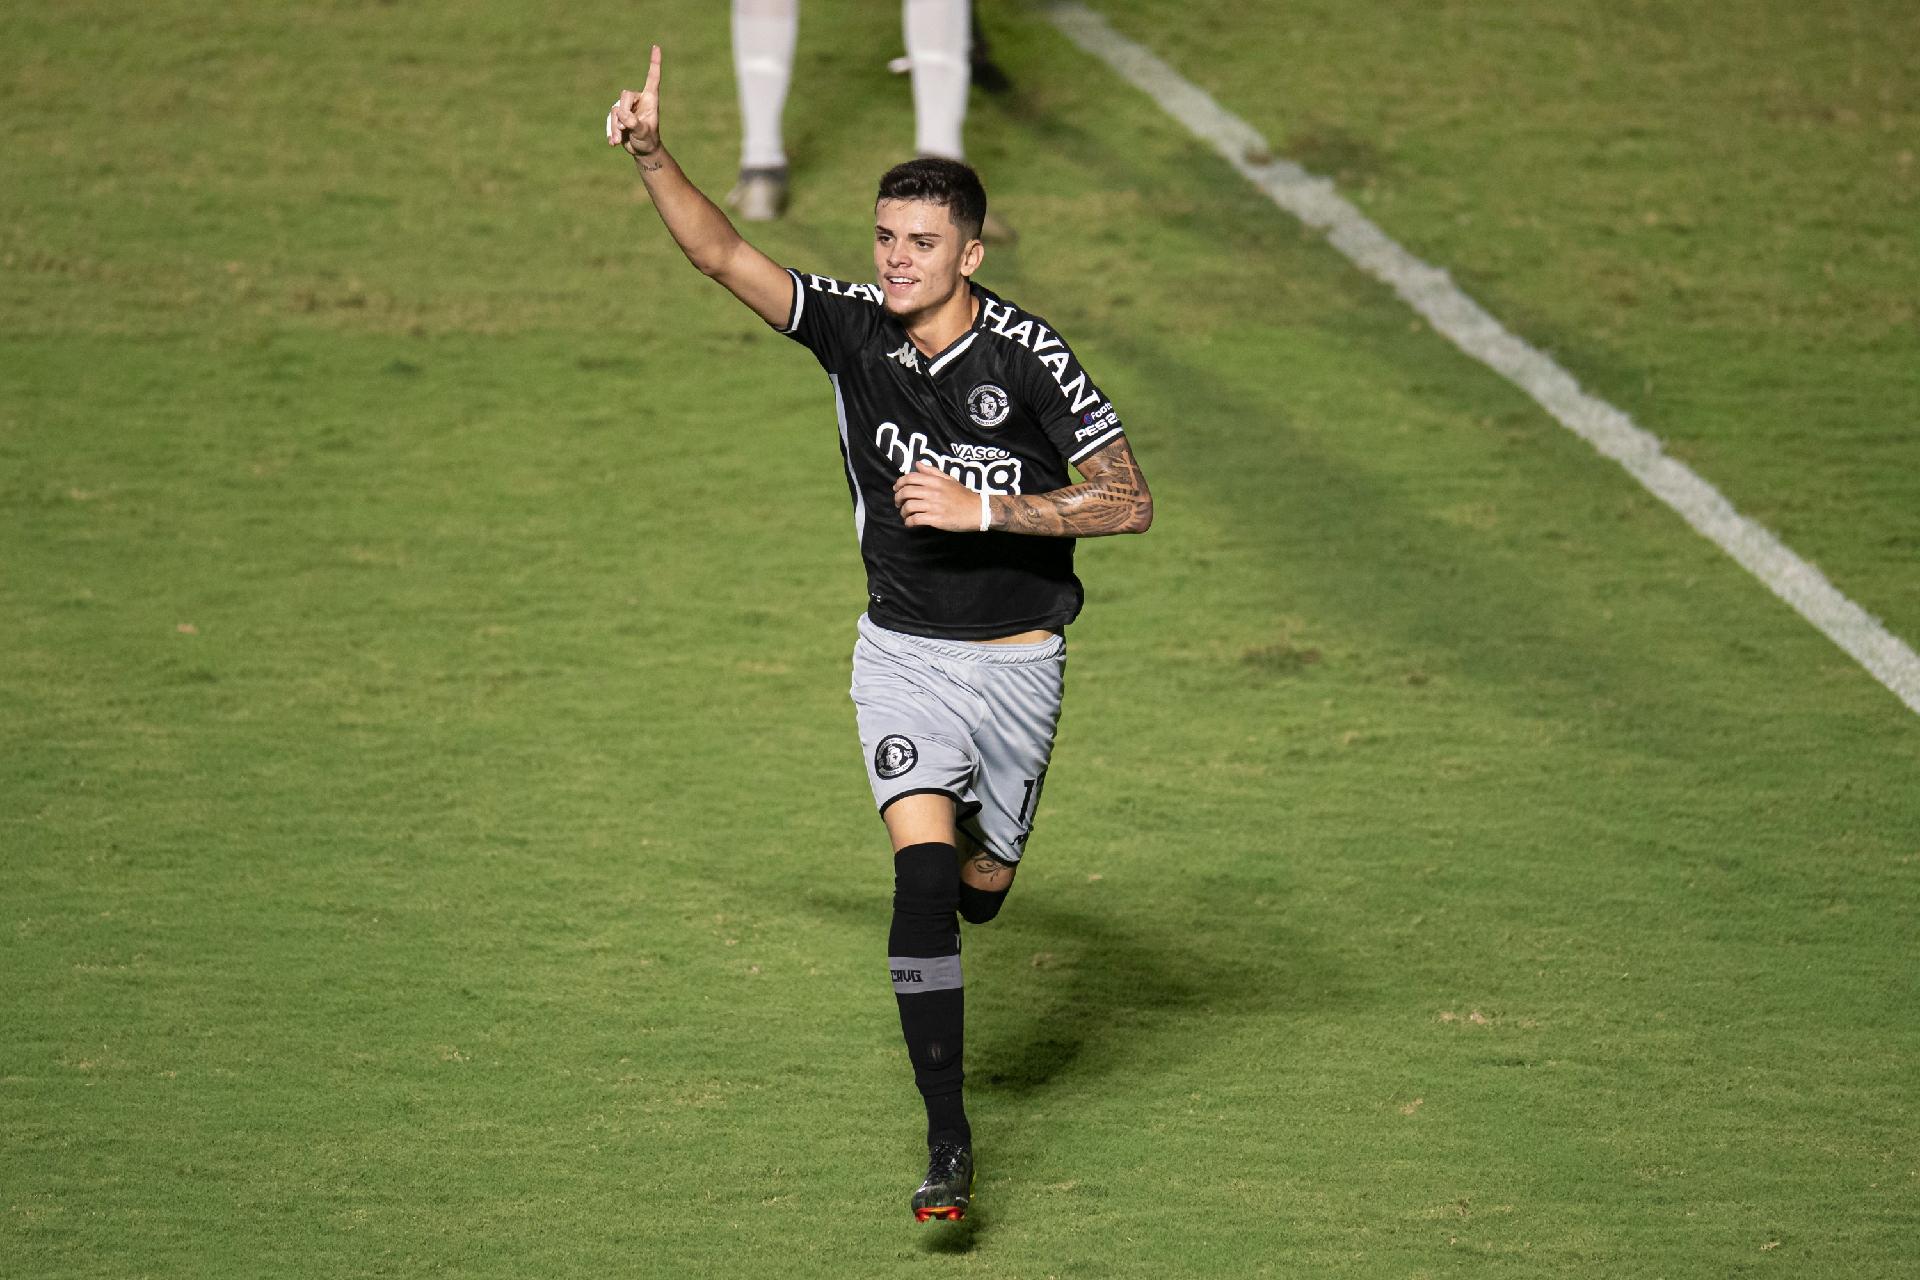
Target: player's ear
[971,257]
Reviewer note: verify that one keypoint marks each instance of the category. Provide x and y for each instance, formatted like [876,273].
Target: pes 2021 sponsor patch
[1094,421]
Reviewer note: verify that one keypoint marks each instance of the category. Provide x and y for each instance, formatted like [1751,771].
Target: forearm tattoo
[1114,499]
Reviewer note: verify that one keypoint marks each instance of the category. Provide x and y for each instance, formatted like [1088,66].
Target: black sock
[923,951]
[977,906]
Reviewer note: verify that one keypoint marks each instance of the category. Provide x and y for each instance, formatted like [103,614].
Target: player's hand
[929,498]
[634,121]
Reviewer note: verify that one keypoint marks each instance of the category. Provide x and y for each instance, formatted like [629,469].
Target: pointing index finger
[653,73]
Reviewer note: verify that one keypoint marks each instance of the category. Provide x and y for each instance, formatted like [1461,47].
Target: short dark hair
[943,182]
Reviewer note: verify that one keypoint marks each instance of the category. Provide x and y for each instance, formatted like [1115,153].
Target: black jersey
[1003,410]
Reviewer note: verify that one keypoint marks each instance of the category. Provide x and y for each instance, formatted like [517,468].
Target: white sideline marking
[1431,292]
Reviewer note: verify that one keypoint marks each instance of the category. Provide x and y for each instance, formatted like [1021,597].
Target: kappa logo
[988,405]
[906,355]
[894,756]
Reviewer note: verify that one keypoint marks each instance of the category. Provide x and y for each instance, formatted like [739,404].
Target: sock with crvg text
[923,951]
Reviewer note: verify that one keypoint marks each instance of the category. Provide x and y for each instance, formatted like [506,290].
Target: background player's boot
[760,195]
[948,1186]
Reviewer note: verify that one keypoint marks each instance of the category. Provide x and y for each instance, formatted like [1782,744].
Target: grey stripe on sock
[924,973]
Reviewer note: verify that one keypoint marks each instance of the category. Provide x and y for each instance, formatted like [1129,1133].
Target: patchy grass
[434,836]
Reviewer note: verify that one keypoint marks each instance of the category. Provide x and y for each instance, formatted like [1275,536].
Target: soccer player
[944,52]
[959,415]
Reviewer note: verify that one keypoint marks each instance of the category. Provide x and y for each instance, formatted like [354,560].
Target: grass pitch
[434,836]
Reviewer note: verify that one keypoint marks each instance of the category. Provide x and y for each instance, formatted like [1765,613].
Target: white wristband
[986,512]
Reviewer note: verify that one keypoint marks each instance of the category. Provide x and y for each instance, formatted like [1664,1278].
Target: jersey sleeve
[1076,415]
[830,317]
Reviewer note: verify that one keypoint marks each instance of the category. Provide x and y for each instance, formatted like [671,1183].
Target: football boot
[948,1186]
[760,195]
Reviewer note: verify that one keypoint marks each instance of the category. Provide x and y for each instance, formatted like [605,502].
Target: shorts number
[1031,800]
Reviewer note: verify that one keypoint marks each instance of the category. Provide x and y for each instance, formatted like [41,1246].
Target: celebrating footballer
[959,416]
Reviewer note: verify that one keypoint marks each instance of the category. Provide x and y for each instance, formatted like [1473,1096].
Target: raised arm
[1112,499]
[697,225]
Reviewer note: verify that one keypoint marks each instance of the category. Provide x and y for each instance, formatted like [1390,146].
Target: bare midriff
[1025,637]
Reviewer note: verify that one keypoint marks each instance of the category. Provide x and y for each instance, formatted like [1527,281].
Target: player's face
[920,257]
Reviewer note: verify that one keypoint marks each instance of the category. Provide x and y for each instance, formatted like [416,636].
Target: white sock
[764,32]
[939,38]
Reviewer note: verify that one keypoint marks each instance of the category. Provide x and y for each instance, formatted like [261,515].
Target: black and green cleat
[949,1184]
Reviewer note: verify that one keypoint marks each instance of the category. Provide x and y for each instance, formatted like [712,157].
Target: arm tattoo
[1113,499]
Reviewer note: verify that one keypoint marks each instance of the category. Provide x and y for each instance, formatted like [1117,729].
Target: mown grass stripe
[1431,292]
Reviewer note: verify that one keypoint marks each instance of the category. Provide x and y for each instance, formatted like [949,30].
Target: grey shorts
[962,719]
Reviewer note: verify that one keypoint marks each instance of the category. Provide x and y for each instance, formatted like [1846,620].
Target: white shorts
[963,719]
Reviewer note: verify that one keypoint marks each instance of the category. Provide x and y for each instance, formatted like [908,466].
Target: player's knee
[925,878]
[977,906]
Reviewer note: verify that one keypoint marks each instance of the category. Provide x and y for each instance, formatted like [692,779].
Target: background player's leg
[938,36]
[764,34]
[987,75]
[923,953]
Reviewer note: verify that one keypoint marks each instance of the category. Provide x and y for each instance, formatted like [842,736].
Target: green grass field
[433,838]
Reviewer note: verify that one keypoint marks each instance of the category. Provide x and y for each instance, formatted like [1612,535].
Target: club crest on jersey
[907,356]
[988,405]
[894,756]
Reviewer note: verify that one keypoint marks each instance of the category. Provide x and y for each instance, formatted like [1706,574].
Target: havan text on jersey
[843,289]
[1043,342]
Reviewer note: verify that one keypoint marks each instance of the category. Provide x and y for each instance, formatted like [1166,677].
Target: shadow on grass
[1061,994]
[1071,994]
[1073,980]
[957,1237]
